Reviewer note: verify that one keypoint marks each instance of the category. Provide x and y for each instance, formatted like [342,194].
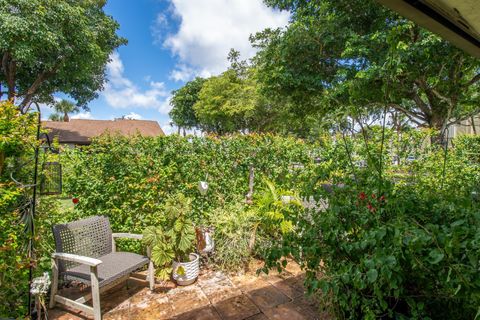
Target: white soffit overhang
[457,21]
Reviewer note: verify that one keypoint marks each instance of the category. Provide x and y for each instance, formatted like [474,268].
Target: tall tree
[225,104]
[182,102]
[339,54]
[50,46]
[229,102]
[62,109]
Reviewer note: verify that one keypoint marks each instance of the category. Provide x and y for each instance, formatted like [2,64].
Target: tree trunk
[9,67]
[438,123]
[65,117]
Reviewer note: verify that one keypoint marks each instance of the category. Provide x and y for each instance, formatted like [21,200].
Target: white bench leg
[97,311]
[151,270]
[151,275]
[54,287]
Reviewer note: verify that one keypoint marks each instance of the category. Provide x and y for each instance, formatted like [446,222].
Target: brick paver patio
[214,296]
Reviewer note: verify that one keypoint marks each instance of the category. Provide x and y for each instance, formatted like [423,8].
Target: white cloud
[165,106]
[120,92]
[209,29]
[182,73]
[82,115]
[133,116]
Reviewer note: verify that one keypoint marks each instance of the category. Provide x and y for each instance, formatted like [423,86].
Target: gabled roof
[79,131]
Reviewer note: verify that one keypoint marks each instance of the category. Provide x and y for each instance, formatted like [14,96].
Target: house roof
[457,21]
[79,131]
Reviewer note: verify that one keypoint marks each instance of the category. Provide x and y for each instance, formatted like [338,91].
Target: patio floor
[215,296]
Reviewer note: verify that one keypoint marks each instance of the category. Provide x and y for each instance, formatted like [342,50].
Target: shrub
[17,142]
[402,245]
[14,264]
[234,225]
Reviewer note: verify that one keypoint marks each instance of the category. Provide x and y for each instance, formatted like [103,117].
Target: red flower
[374,196]
[371,208]
[75,200]
[362,196]
[381,199]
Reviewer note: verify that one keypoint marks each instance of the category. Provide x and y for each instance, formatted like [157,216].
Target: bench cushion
[114,266]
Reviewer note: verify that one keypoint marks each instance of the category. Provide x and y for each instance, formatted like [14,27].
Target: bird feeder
[51,181]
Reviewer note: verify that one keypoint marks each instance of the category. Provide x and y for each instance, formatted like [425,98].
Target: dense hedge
[403,244]
[129,179]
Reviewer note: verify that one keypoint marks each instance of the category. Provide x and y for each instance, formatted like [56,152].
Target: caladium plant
[175,238]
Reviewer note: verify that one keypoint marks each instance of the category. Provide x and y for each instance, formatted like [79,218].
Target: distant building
[80,132]
[465,127]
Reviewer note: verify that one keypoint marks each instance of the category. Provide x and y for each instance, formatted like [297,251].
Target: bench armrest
[127,235]
[92,262]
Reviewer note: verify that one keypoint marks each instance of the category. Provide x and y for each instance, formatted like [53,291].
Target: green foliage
[397,239]
[17,143]
[50,46]
[235,226]
[17,132]
[396,236]
[226,103]
[342,57]
[173,238]
[182,103]
[277,210]
[13,262]
[129,179]
[62,109]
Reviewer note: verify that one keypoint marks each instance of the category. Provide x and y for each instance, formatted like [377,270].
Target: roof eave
[425,16]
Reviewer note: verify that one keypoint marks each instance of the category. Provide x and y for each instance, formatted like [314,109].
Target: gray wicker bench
[85,252]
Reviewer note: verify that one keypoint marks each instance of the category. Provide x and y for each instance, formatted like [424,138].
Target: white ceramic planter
[185,273]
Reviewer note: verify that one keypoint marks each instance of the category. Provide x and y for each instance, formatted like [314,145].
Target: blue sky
[169,43]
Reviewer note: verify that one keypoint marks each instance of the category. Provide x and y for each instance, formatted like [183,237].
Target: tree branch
[441,97]
[413,116]
[474,80]
[465,117]
[421,105]
[36,85]
[32,90]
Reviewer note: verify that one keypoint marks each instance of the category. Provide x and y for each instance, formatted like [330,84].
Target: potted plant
[173,240]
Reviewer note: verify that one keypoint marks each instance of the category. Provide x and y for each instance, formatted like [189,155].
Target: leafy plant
[235,225]
[174,238]
[277,209]
[402,244]
[55,46]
